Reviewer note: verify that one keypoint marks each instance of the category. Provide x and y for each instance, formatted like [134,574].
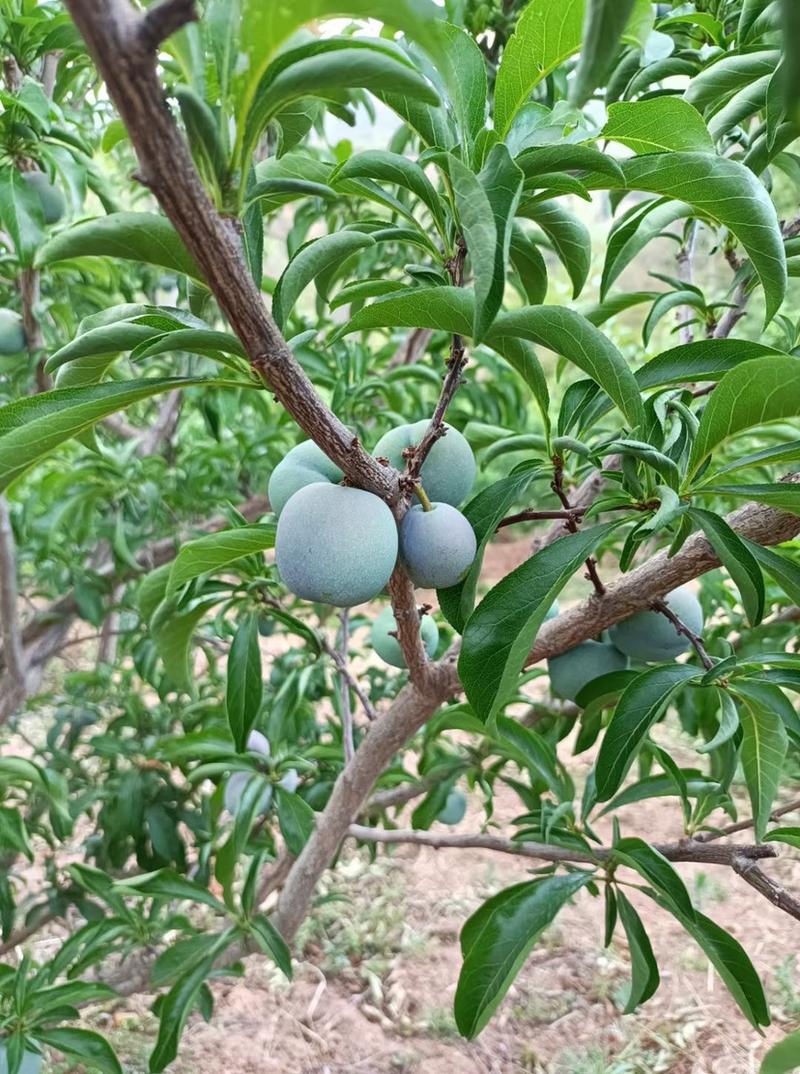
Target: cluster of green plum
[647,637]
[339,545]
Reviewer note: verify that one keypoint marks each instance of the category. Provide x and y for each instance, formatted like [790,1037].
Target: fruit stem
[423,499]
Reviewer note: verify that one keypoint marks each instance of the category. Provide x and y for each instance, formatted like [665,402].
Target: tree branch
[121,43]
[163,19]
[686,850]
[747,869]
[664,609]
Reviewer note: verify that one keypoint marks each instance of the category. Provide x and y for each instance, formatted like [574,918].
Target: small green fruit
[388,647]
[448,472]
[12,334]
[335,545]
[571,671]
[50,197]
[305,464]
[454,808]
[650,636]
[438,546]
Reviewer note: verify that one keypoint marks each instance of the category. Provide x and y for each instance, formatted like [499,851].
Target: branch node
[164,19]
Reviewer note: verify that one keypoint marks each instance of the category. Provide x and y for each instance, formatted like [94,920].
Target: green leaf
[529,264]
[13,833]
[728,192]
[737,559]
[783,570]
[130,236]
[728,723]
[483,513]
[178,1002]
[705,359]
[645,978]
[312,259]
[658,125]
[764,746]
[21,214]
[790,836]
[603,25]
[90,1048]
[217,550]
[33,427]
[546,34]
[296,819]
[571,238]
[784,495]
[783,1057]
[762,390]
[172,633]
[244,686]
[394,168]
[167,884]
[639,707]
[657,870]
[535,753]
[498,938]
[461,66]
[501,631]
[731,962]
[272,943]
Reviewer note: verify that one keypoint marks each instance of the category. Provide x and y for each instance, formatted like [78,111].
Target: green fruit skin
[305,464]
[571,671]
[335,545]
[650,636]
[454,808]
[448,472]
[438,546]
[31,1062]
[388,647]
[50,197]
[12,334]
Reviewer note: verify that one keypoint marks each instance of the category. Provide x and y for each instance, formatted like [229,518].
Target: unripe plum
[305,464]
[50,197]
[12,334]
[388,647]
[571,671]
[335,545]
[454,808]
[650,636]
[437,546]
[31,1062]
[448,472]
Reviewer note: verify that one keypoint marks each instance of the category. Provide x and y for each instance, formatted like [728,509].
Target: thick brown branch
[112,30]
[163,19]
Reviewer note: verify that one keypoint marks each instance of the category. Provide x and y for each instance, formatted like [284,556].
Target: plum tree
[12,334]
[571,671]
[650,636]
[448,472]
[437,546]
[50,197]
[386,644]
[305,464]
[454,809]
[335,545]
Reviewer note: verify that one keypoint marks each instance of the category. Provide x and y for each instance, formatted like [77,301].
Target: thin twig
[743,825]
[747,869]
[539,516]
[661,606]
[347,712]
[557,485]
[344,671]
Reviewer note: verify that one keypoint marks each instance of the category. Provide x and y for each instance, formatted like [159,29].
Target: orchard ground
[378,962]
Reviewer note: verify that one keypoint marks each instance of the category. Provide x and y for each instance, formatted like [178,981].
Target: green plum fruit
[388,647]
[454,808]
[438,546]
[31,1062]
[571,671]
[448,472]
[335,545]
[305,464]
[50,197]
[650,636]
[12,334]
